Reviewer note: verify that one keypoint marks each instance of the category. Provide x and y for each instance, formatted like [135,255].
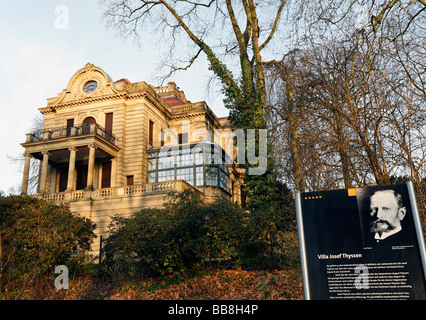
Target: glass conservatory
[201,165]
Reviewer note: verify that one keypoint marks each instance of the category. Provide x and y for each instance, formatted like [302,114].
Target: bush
[187,235]
[183,236]
[36,236]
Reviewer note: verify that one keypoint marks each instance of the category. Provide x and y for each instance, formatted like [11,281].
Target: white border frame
[303,257]
[417,224]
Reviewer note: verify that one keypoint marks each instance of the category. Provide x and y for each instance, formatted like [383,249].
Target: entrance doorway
[106,175]
[63,179]
[81,177]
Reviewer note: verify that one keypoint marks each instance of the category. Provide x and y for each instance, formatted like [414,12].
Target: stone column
[113,172]
[44,168]
[24,188]
[91,167]
[71,168]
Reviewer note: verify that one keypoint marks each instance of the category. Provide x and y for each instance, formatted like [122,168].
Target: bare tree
[219,30]
[307,110]
[360,105]
[346,106]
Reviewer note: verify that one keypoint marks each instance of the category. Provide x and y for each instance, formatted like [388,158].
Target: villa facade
[111,148]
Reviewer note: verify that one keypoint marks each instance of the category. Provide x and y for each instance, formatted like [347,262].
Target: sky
[43,45]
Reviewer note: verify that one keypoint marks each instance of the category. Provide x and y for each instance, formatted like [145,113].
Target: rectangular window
[129,180]
[152,163]
[194,166]
[162,138]
[223,181]
[198,158]
[151,177]
[184,160]
[70,123]
[151,133]
[108,121]
[166,175]
[166,162]
[199,176]
[183,138]
[211,176]
[186,174]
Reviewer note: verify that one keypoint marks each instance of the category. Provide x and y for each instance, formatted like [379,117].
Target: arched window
[86,124]
[89,120]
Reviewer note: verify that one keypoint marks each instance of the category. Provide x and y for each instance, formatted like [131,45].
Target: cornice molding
[158,103]
[74,95]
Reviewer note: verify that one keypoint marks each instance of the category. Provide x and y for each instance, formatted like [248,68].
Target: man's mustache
[380,225]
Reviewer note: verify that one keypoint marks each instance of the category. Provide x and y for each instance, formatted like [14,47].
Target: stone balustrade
[122,191]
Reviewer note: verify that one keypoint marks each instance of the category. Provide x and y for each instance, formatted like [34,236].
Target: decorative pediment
[90,82]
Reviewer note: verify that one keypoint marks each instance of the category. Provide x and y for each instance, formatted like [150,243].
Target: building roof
[123,80]
[173,101]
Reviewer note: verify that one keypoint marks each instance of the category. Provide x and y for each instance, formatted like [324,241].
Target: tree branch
[191,62]
[218,67]
[409,23]
[274,26]
[237,31]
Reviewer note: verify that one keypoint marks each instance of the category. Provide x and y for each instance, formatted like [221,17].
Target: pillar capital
[28,155]
[93,145]
[46,152]
[73,149]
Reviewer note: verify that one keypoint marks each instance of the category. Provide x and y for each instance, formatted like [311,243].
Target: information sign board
[363,243]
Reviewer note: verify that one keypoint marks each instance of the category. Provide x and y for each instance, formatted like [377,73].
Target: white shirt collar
[387,234]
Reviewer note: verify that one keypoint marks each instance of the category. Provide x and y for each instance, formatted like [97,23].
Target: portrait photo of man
[384,213]
[387,212]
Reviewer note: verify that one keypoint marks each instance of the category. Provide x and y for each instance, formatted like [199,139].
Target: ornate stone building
[112,148]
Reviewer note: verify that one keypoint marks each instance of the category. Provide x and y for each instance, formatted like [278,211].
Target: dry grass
[222,285]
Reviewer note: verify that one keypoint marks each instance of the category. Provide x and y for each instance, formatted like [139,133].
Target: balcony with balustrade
[62,148]
[55,135]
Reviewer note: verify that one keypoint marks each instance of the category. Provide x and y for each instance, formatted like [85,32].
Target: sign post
[364,243]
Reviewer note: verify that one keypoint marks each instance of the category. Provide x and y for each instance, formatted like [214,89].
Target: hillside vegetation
[187,250]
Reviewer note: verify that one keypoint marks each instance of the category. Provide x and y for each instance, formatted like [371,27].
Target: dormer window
[90,86]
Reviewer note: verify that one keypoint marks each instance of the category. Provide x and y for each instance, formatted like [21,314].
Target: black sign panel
[363,243]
